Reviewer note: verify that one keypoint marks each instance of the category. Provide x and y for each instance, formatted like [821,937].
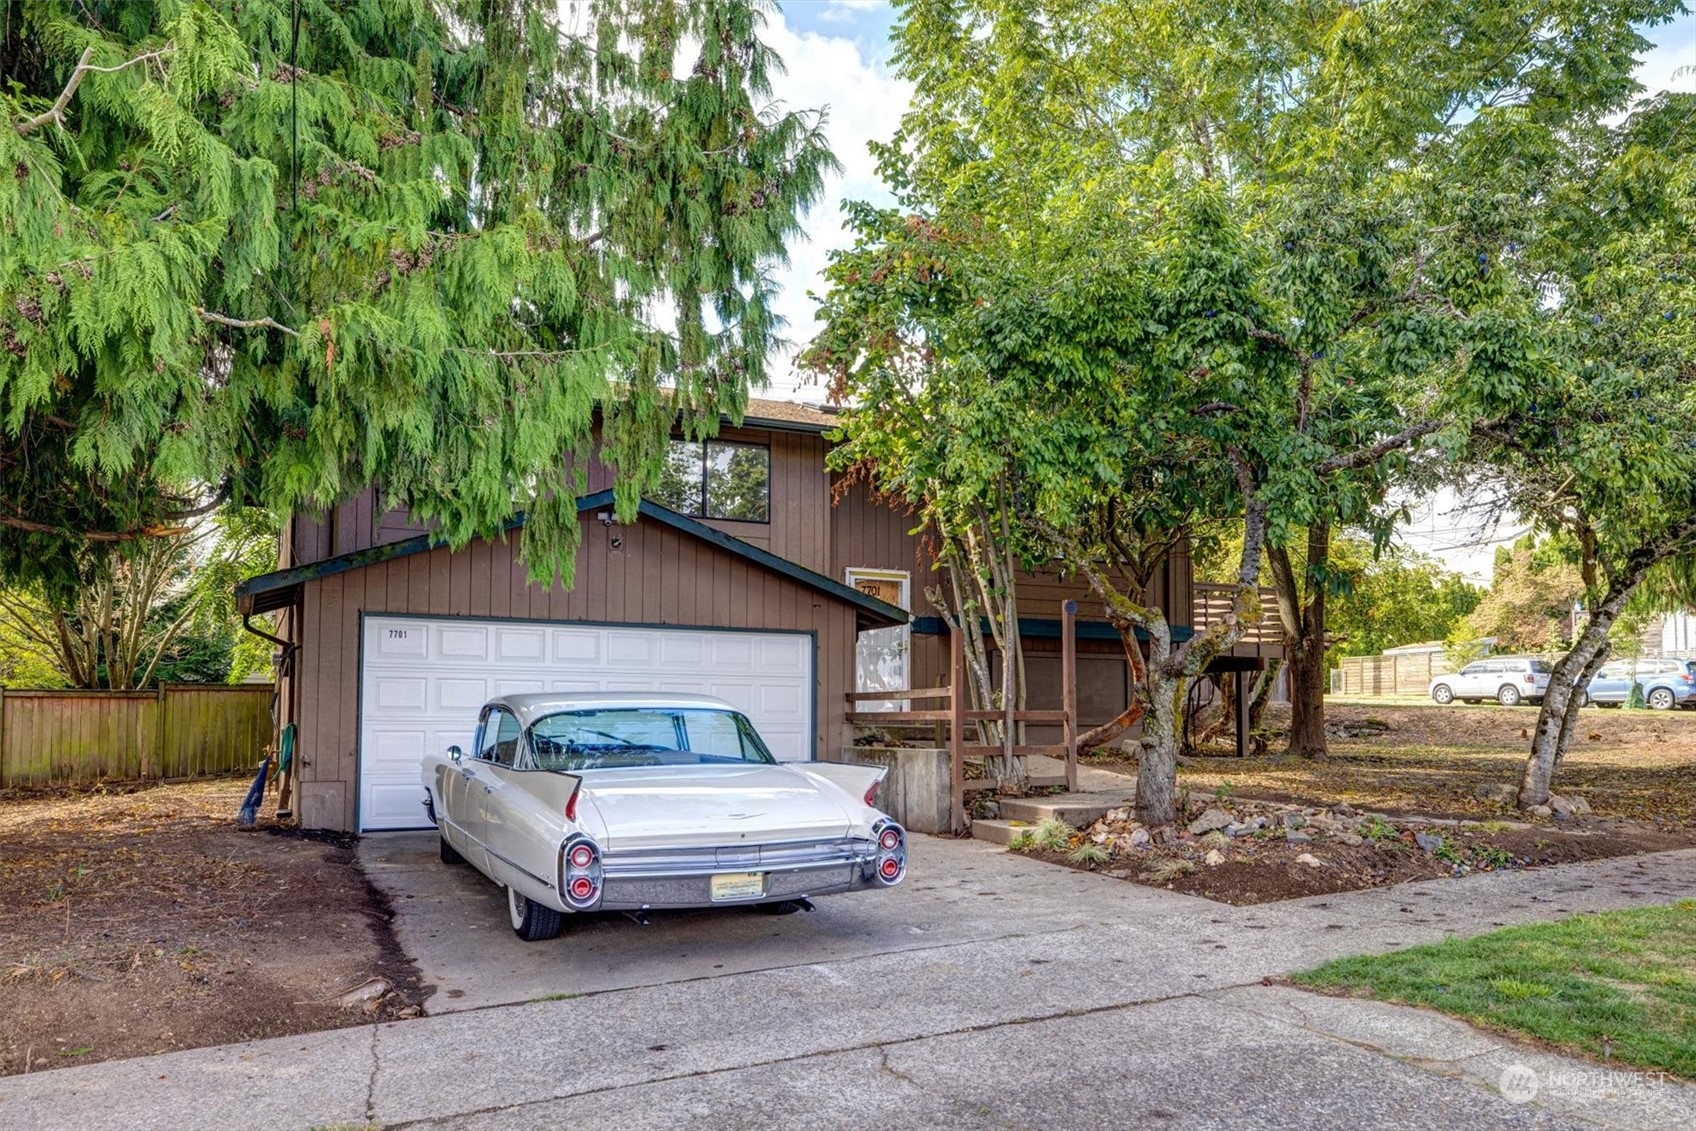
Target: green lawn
[1620,984]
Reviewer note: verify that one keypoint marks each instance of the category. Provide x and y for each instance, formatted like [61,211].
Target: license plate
[738,885]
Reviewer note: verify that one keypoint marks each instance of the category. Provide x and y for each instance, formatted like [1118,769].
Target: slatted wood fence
[1409,674]
[176,731]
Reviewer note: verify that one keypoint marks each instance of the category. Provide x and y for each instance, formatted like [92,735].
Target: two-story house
[740,579]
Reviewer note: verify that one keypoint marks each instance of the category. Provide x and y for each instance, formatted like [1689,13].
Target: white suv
[1508,680]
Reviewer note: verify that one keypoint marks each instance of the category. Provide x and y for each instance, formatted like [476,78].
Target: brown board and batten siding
[658,576]
[799,526]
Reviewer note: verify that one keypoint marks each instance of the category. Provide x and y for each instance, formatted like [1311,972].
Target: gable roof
[279,589]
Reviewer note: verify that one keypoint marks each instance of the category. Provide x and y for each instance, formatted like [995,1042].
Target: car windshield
[618,737]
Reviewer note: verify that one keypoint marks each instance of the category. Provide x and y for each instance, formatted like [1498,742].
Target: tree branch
[155,531]
[1377,451]
[244,323]
[56,114]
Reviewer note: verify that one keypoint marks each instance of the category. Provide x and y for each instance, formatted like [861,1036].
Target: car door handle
[469,773]
[488,789]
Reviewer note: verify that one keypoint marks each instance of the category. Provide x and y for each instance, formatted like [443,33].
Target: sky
[837,57]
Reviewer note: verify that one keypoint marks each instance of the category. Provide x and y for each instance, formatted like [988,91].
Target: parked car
[631,802]
[1508,680]
[1666,683]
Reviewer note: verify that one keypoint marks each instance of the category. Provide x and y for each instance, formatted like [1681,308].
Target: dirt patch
[1422,758]
[136,922]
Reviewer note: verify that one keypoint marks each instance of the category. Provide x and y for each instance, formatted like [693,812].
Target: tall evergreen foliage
[276,250]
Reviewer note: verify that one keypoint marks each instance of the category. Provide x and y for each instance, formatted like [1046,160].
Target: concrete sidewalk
[1132,1006]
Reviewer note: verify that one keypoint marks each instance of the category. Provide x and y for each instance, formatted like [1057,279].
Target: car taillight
[571,803]
[1530,677]
[871,793]
[890,862]
[580,873]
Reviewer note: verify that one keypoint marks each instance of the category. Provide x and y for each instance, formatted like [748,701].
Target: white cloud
[865,103]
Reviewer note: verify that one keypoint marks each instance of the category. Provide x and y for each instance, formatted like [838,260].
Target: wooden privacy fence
[1390,675]
[177,731]
[955,717]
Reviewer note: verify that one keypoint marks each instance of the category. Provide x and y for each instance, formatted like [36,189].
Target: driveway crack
[371,1084]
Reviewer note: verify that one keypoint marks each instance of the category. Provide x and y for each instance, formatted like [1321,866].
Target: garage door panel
[629,648]
[463,643]
[399,693]
[520,645]
[733,651]
[576,646]
[424,679]
[460,694]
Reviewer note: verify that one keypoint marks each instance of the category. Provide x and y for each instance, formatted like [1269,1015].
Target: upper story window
[717,479]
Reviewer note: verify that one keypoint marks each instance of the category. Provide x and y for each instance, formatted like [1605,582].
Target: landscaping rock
[1294,820]
[1579,805]
[1209,821]
[1214,858]
[1430,842]
[1566,808]
[1294,837]
[1310,860]
[1501,794]
[1353,840]
[1541,811]
[1140,838]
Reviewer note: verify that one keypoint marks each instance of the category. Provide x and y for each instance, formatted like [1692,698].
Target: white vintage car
[631,802]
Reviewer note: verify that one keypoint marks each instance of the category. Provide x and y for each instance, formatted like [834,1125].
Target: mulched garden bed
[1247,851]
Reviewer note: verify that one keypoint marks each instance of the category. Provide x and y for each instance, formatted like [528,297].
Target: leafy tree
[1240,271]
[277,250]
[1601,447]
[1530,602]
[1382,600]
[161,610]
[932,424]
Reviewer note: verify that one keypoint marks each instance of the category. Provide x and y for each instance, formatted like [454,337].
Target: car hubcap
[1661,700]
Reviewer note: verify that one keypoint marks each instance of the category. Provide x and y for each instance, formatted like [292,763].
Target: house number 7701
[397,634]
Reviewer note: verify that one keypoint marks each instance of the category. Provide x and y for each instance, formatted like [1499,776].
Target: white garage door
[422,680]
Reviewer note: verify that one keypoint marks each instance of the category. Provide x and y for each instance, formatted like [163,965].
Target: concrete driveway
[453,922]
[990,991]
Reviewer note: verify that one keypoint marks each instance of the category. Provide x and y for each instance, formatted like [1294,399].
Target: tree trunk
[1556,716]
[1301,613]
[1307,699]
[1157,765]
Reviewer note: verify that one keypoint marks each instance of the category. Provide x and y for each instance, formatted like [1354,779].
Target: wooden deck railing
[954,717]
[1210,602]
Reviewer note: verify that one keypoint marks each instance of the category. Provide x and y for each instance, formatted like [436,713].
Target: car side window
[1474,669]
[506,739]
[498,740]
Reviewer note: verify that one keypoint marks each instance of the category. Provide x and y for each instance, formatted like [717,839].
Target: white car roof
[532,705]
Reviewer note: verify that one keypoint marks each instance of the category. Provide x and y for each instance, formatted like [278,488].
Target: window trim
[702,515]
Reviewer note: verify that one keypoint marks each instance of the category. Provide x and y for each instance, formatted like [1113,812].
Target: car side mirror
[455,754]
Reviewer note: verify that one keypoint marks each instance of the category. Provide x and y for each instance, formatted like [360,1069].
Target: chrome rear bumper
[650,879]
